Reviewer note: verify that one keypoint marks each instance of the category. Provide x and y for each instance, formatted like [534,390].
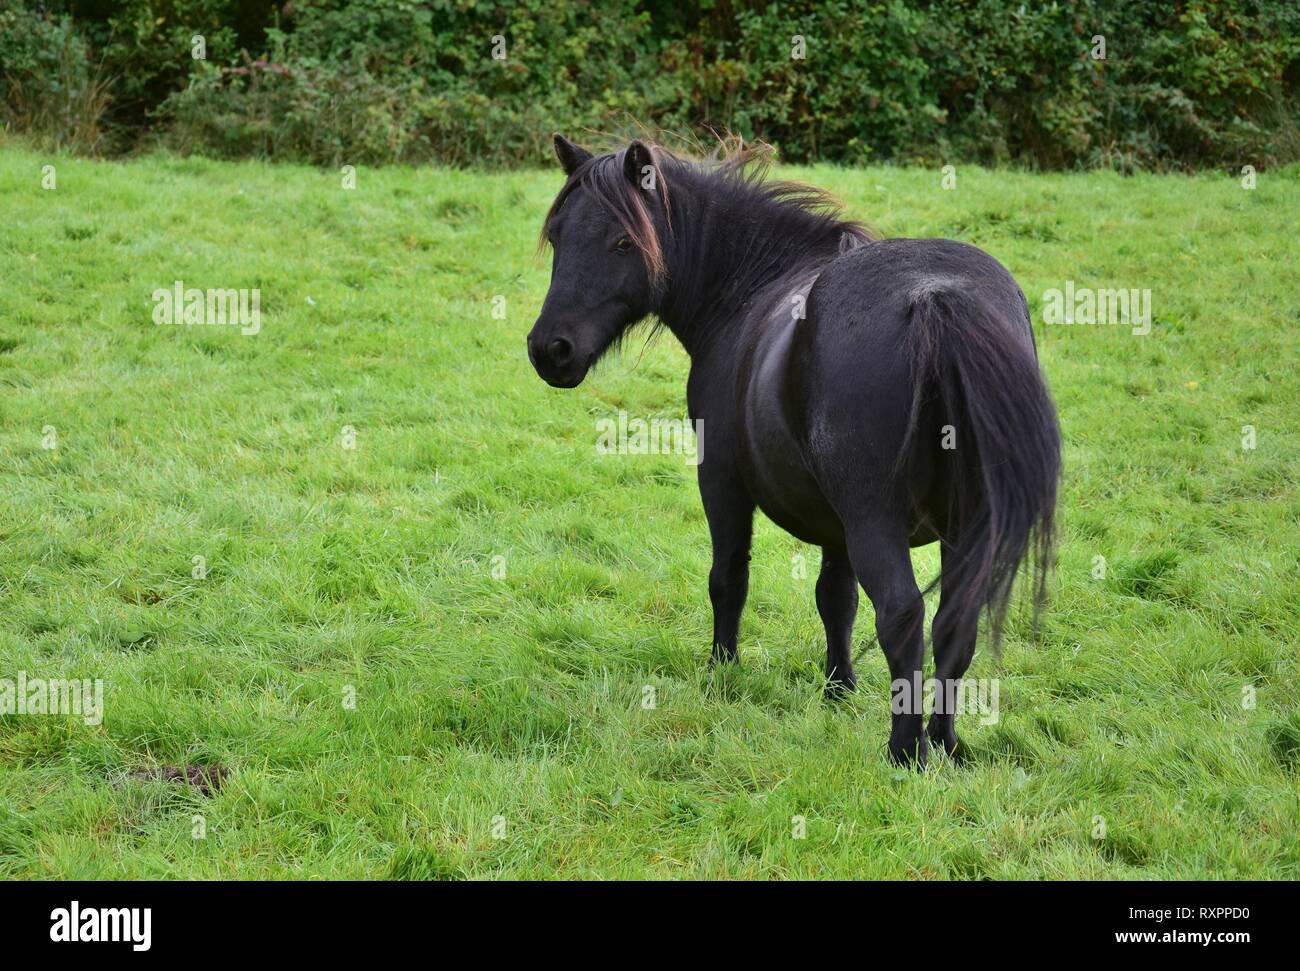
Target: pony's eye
[624,245]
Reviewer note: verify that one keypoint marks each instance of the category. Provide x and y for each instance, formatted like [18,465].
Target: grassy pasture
[403,650]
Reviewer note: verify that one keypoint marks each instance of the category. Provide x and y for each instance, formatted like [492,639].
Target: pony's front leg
[730,512]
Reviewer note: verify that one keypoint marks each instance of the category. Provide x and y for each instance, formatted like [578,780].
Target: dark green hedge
[1183,84]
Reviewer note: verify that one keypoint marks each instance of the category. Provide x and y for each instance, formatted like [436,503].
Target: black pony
[868,395]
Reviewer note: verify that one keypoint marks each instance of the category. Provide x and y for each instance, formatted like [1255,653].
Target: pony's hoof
[837,689]
[951,744]
[911,754]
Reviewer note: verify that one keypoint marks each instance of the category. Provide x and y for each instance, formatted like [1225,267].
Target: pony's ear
[569,154]
[636,160]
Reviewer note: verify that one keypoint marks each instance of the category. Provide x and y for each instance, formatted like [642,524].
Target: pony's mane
[734,171]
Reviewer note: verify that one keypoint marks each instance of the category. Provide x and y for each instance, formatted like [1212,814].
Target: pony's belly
[771,456]
[781,484]
[817,526]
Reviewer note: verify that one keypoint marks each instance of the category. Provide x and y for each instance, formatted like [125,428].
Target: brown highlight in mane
[737,166]
[603,176]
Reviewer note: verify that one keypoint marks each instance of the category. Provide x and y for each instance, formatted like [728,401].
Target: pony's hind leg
[837,602]
[882,561]
[954,646]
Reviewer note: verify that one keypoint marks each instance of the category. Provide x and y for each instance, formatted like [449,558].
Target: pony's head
[605,228]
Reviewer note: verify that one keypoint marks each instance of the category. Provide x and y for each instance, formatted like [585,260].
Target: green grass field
[494,596]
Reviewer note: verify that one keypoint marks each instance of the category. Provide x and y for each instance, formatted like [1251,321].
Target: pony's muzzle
[560,351]
[556,362]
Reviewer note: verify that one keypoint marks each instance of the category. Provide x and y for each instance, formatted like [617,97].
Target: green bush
[49,84]
[1200,83]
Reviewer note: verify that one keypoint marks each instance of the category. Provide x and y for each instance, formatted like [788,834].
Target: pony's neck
[729,247]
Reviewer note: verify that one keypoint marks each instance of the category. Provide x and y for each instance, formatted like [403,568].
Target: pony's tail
[1001,444]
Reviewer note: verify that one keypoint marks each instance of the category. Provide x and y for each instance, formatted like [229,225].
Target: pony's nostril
[560,351]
